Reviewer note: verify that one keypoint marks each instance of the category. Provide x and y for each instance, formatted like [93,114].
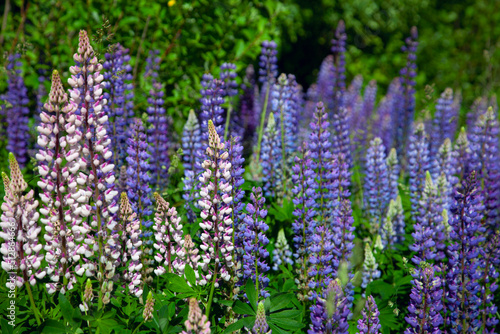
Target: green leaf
[243,308]
[280,301]
[276,329]
[6,328]
[53,327]
[285,323]
[251,294]
[66,308]
[286,314]
[190,275]
[234,327]
[178,284]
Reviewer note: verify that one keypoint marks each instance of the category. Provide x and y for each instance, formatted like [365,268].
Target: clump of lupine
[327,189]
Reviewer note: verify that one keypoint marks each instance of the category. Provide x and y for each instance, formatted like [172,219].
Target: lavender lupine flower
[230,90]
[321,266]
[425,301]
[157,134]
[340,138]
[281,253]
[271,159]
[418,164]
[236,181]
[343,233]
[338,50]
[260,326]
[393,228]
[197,322]
[429,232]
[168,235]
[462,154]
[408,74]
[444,166]
[88,296]
[138,177]
[212,98]
[490,254]
[19,221]
[370,267]
[215,199]
[254,242]
[370,323]
[387,120]
[443,122]
[268,68]
[131,246]
[369,97]
[304,200]
[249,117]
[147,314]
[63,202]
[119,94]
[484,160]
[331,311]
[17,113]
[466,236]
[87,96]
[353,93]
[325,82]
[393,173]
[187,255]
[377,186]
[319,146]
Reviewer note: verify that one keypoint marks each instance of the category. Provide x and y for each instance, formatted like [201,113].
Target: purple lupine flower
[167,233]
[338,50]
[19,223]
[343,233]
[377,186]
[490,254]
[369,97]
[484,160]
[321,267]
[131,242]
[370,323]
[443,169]
[418,165]
[271,159]
[139,191]
[425,301]
[87,95]
[197,322]
[236,181]
[281,253]
[187,255]
[59,167]
[260,326]
[215,202]
[119,94]
[462,154]
[353,94]
[17,111]
[249,117]
[325,82]
[331,311]
[408,74]
[212,98]
[157,130]
[387,120]
[230,90]
[304,200]
[466,236]
[254,242]
[268,68]
[429,232]
[393,227]
[443,122]
[370,267]
[393,170]
[341,145]
[319,146]
[340,182]
[191,145]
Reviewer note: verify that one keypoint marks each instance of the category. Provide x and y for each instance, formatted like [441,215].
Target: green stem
[33,305]
[210,298]
[138,326]
[262,119]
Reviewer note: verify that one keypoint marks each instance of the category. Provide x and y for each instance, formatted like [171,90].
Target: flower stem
[262,119]
[33,305]
[210,298]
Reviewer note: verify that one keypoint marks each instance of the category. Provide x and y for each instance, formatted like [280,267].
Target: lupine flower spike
[281,253]
[261,326]
[196,323]
[147,314]
[369,324]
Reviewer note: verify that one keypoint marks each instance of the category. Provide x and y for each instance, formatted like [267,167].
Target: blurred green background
[459,40]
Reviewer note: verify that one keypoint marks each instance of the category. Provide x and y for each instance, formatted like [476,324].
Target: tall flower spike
[168,235]
[147,314]
[157,130]
[17,113]
[338,50]
[445,165]
[321,266]
[443,122]
[370,267]
[64,203]
[211,106]
[462,153]
[341,139]
[484,160]
[214,201]
[325,81]
[425,301]
[490,254]
[466,236]
[331,311]
[271,159]
[19,223]
[196,323]
[138,176]
[393,173]
[187,255]
[281,253]
[370,323]
[377,184]
[260,326]
[87,95]
[343,233]
[268,68]
[418,164]
[393,228]
[119,93]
